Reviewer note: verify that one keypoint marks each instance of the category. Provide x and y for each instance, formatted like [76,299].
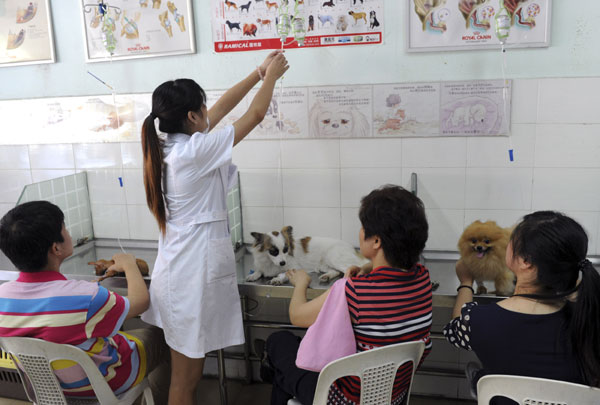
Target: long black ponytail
[585,324]
[171,102]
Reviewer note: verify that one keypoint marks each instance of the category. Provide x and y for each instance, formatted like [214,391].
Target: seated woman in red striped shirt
[392,303]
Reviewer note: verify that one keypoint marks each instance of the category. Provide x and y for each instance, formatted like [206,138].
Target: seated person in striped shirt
[44,304]
[392,303]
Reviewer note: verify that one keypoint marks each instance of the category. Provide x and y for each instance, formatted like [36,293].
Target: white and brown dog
[276,252]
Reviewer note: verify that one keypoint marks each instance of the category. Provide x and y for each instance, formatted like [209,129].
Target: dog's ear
[313,119]
[287,230]
[258,237]
[288,235]
[360,124]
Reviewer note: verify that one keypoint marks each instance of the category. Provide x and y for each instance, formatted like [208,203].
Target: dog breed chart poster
[137,28]
[443,25]
[246,25]
[26,33]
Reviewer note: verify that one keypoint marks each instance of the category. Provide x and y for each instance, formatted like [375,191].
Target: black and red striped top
[387,306]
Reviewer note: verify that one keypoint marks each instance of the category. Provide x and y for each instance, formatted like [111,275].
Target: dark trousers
[289,381]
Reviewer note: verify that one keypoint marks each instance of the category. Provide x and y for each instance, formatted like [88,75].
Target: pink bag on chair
[331,336]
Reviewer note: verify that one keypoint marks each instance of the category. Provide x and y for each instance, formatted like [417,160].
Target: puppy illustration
[264,23]
[233,25]
[276,252]
[334,122]
[311,23]
[482,248]
[438,19]
[358,16]
[271,5]
[246,7]
[468,115]
[250,30]
[230,4]
[328,4]
[342,24]
[325,19]
[373,19]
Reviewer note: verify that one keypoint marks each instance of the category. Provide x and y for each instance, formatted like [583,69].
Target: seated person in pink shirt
[44,304]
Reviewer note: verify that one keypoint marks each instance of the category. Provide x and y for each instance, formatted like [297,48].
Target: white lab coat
[194,295]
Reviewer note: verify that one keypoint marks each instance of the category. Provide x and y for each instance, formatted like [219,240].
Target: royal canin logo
[477,36]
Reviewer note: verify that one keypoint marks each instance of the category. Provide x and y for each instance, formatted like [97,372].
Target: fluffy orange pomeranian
[482,248]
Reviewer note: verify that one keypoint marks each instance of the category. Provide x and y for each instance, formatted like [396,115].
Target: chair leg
[148,398]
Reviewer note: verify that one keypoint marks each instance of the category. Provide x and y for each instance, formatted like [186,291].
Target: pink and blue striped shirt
[45,305]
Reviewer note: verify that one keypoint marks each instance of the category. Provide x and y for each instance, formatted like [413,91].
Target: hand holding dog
[298,278]
[123,261]
[463,273]
[277,67]
[354,271]
[263,67]
[137,292]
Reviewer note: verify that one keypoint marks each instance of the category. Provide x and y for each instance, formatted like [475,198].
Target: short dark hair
[27,233]
[398,218]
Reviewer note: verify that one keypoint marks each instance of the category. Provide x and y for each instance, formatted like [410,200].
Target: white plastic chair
[35,356]
[376,368]
[535,391]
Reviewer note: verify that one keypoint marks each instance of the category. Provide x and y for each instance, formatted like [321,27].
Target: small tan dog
[482,248]
[101,268]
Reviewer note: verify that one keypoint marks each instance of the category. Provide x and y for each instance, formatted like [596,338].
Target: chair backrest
[376,368]
[535,391]
[35,356]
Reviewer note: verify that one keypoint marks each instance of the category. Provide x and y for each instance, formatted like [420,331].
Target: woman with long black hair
[550,327]
[194,295]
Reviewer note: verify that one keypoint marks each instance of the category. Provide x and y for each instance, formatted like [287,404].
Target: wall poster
[428,109]
[137,29]
[25,33]
[475,108]
[447,25]
[247,25]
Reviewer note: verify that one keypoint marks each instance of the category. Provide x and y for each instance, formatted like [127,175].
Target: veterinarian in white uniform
[193,295]
[194,291]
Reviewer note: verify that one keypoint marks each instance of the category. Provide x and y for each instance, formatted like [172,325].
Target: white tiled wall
[556,142]
[316,185]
